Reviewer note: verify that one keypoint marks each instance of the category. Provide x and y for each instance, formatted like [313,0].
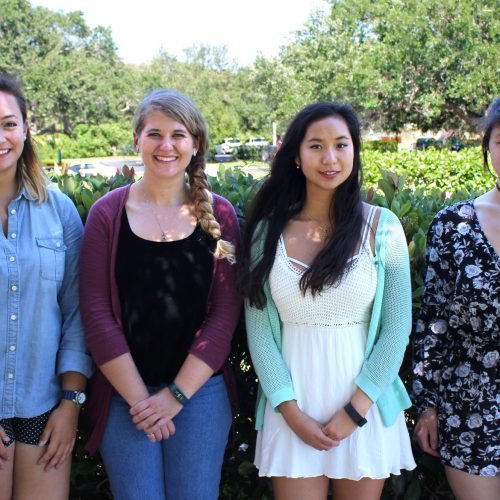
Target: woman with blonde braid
[159,305]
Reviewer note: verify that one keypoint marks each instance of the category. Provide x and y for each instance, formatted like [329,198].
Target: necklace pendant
[163,236]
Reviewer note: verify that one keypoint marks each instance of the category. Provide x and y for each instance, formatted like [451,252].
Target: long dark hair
[283,195]
[488,123]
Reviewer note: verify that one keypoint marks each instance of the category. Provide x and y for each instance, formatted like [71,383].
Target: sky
[141,28]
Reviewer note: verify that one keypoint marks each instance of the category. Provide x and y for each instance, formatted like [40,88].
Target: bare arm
[60,431]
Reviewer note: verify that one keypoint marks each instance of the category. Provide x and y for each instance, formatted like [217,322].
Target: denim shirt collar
[23,192]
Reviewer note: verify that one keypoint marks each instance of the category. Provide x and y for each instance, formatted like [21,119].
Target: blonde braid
[203,207]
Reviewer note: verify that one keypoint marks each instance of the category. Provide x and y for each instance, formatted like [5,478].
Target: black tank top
[163,289]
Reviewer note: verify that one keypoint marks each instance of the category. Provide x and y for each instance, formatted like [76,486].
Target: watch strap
[74,397]
[178,394]
[354,415]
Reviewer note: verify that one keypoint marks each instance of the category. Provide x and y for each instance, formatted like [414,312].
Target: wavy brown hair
[29,172]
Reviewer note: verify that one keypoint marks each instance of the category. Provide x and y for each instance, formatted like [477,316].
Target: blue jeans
[185,466]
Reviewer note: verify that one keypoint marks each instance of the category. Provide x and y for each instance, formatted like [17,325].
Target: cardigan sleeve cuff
[371,389]
[278,397]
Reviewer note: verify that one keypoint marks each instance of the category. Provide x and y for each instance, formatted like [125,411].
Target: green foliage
[86,141]
[236,186]
[383,146]
[248,153]
[431,169]
[85,191]
[432,63]
[71,73]
[427,62]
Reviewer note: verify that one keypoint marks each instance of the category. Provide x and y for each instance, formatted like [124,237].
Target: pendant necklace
[163,233]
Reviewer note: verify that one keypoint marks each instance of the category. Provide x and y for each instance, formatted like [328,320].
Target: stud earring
[298,166]
[194,152]
[24,137]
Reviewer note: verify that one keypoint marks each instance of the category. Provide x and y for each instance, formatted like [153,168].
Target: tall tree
[428,62]
[71,72]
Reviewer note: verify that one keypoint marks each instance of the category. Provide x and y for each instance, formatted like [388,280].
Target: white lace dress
[323,347]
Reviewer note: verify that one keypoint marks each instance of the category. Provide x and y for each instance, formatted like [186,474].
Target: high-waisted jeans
[186,466]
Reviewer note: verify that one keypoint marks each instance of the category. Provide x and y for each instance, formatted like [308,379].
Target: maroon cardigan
[100,303]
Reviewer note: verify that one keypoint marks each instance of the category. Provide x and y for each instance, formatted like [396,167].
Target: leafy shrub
[431,169]
[87,141]
[383,146]
[248,153]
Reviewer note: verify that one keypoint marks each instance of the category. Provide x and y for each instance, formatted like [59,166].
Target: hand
[60,434]
[306,428]
[340,426]
[154,415]
[426,431]
[4,451]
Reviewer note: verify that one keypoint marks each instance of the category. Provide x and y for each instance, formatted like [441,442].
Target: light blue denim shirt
[41,333]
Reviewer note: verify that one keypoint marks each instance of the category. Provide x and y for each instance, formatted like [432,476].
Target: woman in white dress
[328,312]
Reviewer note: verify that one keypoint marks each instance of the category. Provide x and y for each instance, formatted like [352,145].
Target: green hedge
[87,141]
[414,207]
[431,169]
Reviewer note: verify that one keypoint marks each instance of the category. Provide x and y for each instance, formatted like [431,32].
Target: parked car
[426,142]
[93,168]
[257,142]
[228,145]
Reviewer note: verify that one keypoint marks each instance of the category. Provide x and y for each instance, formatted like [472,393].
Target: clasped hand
[320,437]
[340,426]
[154,415]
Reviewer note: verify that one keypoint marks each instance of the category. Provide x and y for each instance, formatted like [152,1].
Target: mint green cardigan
[388,332]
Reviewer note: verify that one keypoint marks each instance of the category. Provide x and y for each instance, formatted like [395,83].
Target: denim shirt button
[12,259]
[13,211]
[13,317]
[13,236]
[10,375]
[58,244]
[12,348]
[13,288]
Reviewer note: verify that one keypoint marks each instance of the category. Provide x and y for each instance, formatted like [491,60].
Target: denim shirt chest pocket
[52,257]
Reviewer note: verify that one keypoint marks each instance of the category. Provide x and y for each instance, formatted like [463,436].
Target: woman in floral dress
[457,337]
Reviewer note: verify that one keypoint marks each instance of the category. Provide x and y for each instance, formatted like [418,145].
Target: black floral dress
[457,336]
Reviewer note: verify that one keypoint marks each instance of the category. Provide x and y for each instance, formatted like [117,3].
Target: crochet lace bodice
[347,303]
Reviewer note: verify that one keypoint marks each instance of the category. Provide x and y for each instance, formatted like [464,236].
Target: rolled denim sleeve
[72,354]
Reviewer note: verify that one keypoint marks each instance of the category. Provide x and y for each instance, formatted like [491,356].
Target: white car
[258,142]
[230,144]
[93,168]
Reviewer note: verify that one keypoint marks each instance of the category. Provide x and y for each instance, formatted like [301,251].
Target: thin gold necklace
[325,229]
[163,233]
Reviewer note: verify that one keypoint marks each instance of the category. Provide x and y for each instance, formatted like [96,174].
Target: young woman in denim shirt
[43,360]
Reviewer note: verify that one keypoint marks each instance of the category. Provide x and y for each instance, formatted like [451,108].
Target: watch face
[80,398]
